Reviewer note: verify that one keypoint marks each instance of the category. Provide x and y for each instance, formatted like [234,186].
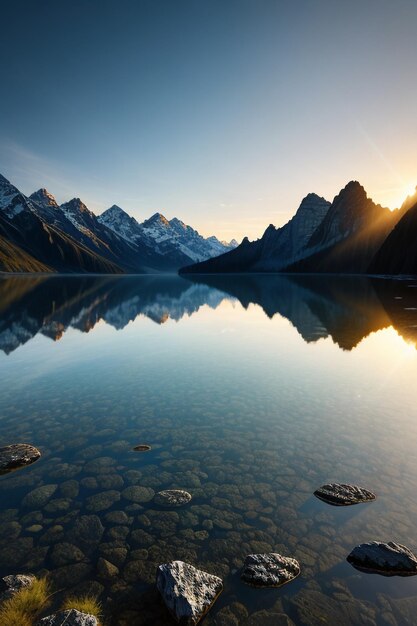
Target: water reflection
[239,411]
[50,306]
[345,308]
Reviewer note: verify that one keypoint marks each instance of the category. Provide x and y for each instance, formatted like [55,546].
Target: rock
[268,618]
[58,505]
[10,530]
[69,618]
[135,493]
[86,532]
[37,498]
[388,559]
[117,517]
[343,495]
[64,553]
[269,570]
[172,497]
[72,574]
[143,447]
[105,569]
[102,501]
[187,591]
[35,528]
[70,489]
[17,455]
[9,585]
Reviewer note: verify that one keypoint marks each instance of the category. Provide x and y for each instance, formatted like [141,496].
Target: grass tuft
[11,615]
[26,604]
[86,604]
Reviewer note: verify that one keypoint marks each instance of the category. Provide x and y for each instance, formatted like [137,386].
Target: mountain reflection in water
[345,308]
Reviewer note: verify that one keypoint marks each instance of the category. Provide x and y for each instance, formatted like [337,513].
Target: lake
[252,391]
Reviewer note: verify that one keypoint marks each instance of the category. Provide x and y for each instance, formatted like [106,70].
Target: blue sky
[224,113]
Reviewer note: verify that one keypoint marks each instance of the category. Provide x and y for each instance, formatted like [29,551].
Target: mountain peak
[4,180]
[176,222]
[115,207]
[75,204]
[114,211]
[44,198]
[354,187]
[156,218]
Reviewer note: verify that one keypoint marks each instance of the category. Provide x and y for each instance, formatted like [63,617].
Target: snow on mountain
[167,237]
[183,237]
[122,224]
[37,223]
[44,198]
[12,201]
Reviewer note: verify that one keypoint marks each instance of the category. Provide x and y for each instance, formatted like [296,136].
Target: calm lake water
[253,392]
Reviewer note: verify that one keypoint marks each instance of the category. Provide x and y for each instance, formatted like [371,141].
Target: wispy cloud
[29,170]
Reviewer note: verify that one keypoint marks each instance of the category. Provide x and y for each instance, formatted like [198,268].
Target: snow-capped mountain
[12,201]
[122,223]
[31,241]
[187,240]
[170,238]
[39,235]
[44,198]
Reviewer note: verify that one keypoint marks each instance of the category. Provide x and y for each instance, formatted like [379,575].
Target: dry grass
[86,604]
[25,605]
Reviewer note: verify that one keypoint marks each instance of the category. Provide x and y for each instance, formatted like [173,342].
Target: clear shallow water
[252,391]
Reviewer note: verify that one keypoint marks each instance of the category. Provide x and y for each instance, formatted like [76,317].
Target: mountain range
[38,235]
[351,235]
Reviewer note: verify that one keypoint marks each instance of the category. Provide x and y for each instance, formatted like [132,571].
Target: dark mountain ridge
[341,237]
[398,253]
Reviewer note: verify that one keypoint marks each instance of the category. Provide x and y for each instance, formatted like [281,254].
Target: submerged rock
[269,570]
[105,569]
[340,494]
[172,497]
[9,585]
[86,532]
[17,455]
[138,494]
[388,559]
[187,591]
[37,498]
[69,618]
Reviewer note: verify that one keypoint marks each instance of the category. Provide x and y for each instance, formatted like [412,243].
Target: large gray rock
[340,494]
[187,591]
[388,559]
[9,585]
[172,497]
[17,455]
[69,618]
[269,570]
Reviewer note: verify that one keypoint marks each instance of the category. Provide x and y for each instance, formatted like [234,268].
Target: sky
[224,113]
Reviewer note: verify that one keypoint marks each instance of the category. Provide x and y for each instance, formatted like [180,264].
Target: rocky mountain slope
[276,248]
[349,235]
[172,239]
[22,226]
[322,237]
[398,253]
[39,235]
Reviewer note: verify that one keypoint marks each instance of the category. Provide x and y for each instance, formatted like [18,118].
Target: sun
[409,190]
[402,193]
